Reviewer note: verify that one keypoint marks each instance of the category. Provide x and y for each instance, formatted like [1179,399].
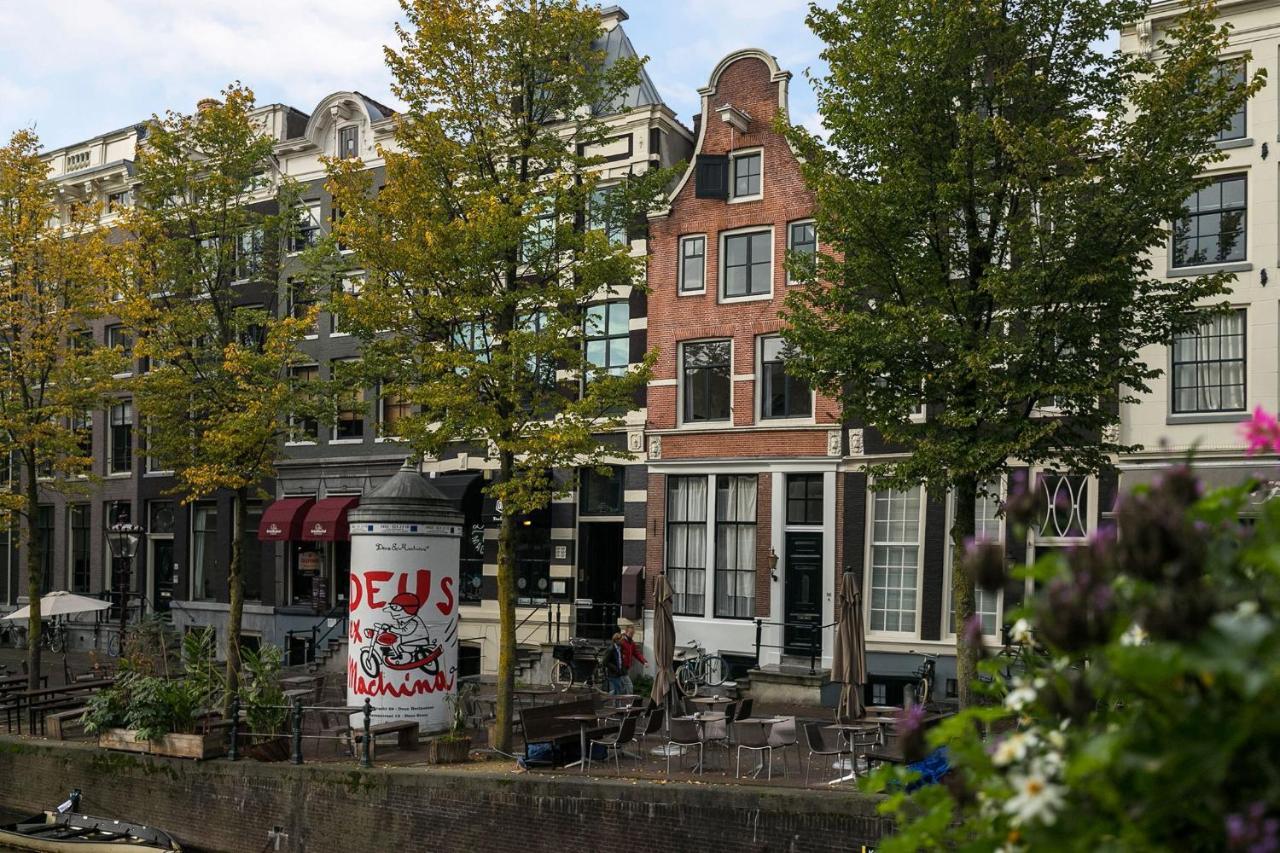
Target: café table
[712,703]
[701,719]
[768,723]
[585,722]
[847,730]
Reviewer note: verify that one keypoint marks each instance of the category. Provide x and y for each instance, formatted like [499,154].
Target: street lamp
[124,540]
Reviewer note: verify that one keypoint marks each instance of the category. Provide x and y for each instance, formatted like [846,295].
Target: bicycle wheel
[687,680]
[113,644]
[923,691]
[714,670]
[57,642]
[561,676]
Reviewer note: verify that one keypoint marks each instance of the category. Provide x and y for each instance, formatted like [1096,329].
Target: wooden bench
[57,725]
[543,724]
[406,732]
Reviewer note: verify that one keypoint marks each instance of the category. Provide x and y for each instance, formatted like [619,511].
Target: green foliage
[261,697]
[151,705]
[1138,715]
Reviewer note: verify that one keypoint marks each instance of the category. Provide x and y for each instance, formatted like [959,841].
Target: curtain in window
[735,546]
[204,551]
[687,543]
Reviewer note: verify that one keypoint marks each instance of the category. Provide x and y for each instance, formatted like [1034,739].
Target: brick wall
[764,536]
[231,807]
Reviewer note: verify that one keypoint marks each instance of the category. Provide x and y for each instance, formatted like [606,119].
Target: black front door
[599,577]
[161,591]
[803,593]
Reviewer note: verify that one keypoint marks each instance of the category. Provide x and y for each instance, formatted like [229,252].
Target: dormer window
[746,175]
[349,142]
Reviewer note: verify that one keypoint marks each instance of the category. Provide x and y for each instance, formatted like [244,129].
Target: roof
[616,45]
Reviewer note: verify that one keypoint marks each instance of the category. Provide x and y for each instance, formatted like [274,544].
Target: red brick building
[744,495]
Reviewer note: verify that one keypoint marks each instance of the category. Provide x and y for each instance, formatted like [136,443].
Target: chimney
[206,103]
[611,16]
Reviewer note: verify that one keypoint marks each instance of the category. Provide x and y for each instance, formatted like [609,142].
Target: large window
[735,546]
[608,336]
[687,543]
[988,526]
[1234,72]
[250,244]
[44,546]
[392,408]
[251,553]
[781,395]
[78,531]
[604,214]
[693,264]
[349,141]
[600,494]
[349,404]
[118,337]
[1209,366]
[707,383]
[748,264]
[804,499]
[204,549]
[350,287]
[303,428]
[746,175]
[802,240]
[895,560]
[306,230]
[120,439]
[1213,229]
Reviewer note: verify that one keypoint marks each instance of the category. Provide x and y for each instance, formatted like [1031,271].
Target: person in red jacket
[631,654]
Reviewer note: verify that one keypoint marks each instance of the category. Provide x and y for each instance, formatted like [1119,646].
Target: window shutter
[711,178]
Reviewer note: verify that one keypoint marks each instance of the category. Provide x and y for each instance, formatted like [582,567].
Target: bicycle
[702,668]
[927,679]
[54,637]
[571,667]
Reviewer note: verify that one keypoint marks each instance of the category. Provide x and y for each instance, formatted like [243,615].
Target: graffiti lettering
[446,588]
[380,686]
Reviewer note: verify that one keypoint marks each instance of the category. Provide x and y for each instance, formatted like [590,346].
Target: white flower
[1022,694]
[1021,632]
[1057,739]
[1133,636]
[1013,748]
[1035,798]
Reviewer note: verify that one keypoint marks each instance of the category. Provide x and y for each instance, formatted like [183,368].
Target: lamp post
[124,540]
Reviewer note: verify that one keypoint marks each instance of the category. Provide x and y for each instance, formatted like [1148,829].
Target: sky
[73,69]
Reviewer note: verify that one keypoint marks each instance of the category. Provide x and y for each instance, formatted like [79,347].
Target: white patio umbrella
[60,603]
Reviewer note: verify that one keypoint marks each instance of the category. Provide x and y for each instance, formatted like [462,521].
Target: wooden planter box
[196,746]
[269,749]
[451,751]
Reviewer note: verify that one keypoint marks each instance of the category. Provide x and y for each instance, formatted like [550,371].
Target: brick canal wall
[221,806]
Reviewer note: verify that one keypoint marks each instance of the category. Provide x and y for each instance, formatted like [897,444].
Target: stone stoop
[787,684]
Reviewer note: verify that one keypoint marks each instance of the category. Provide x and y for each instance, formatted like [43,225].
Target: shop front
[318,549]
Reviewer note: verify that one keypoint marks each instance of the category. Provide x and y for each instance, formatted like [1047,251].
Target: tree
[209,234]
[483,254]
[989,192]
[57,270]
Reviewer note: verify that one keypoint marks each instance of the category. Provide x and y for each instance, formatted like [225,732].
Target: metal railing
[316,635]
[814,645]
[295,713]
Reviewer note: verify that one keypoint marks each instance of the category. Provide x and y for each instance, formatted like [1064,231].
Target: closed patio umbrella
[60,603]
[664,642]
[849,663]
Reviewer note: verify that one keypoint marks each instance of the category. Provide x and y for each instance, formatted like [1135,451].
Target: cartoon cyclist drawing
[403,644]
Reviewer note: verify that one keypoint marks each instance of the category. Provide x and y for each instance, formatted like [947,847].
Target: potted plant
[455,744]
[152,714]
[263,703]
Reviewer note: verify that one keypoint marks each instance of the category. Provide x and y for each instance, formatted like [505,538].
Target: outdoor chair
[825,742]
[722,733]
[625,734]
[755,737]
[782,735]
[653,723]
[744,709]
[684,733]
[861,741]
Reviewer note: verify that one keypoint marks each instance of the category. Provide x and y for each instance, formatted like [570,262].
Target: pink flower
[1261,433]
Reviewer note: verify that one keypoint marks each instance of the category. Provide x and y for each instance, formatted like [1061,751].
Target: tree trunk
[962,589]
[506,616]
[34,574]
[235,596]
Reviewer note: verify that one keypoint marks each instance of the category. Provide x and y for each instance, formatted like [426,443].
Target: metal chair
[684,733]
[625,734]
[826,742]
[782,735]
[744,709]
[653,723]
[753,736]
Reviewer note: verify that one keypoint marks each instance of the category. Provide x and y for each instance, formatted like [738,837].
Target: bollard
[233,734]
[815,634]
[759,629]
[297,731]
[364,746]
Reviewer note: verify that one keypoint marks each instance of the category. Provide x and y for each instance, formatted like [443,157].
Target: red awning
[327,520]
[282,520]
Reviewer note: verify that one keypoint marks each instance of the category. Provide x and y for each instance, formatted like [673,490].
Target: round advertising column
[402,650]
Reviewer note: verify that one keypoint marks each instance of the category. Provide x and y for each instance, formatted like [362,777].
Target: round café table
[584,721]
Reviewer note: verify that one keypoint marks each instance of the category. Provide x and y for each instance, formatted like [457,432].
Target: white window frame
[869,570]
[350,285]
[680,387]
[734,157]
[1089,519]
[791,246]
[290,441]
[149,459]
[680,288]
[310,208]
[723,239]
[759,390]
[111,446]
[949,562]
[106,341]
[364,398]
[379,417]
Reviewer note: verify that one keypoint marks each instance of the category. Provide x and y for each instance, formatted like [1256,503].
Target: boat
[67,831]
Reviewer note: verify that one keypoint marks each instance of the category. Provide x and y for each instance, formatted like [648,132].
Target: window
[473,337]
[44,546]
[748,264]
[1065,523]
[120,439]
[204,549]
[1213,229]
[781,395]
[532,545]
[687,543]
[117,202]
[349,404]
[1209,366]
[160,517]
[303,427]
[118,570]
[251,553]
[392,408]
[708,387]
[539,240]
[895,560]
[78,528]
[608,338]
[300,300]
[350,288]
[1233,71]
[306,230]
[600,494]
[82,426]
[735,546]
[804,499]
[693,264]
[802,240]
[603,214]
[249,248]
[539,364]
[988,526]
[711,176]
[349,141]
[118,337]
[746,175]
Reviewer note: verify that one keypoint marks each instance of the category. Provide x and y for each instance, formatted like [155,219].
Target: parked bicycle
[578,662]
[927,679]
[699,668]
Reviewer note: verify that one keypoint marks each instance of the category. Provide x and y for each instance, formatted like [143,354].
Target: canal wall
[246,805]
